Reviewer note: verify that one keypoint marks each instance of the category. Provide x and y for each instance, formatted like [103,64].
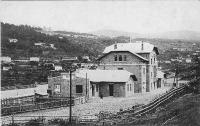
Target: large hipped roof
[105,75]
[135,47]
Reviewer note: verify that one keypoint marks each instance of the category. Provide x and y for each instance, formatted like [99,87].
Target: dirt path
[94,106]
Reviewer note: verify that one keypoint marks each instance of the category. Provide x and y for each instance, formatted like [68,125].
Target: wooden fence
[35,107]
[17,87]
[45,120]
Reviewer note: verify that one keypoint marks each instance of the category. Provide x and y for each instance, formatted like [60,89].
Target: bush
[35,122]
[59,122]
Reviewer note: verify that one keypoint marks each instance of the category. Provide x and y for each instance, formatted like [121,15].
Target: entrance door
[111,89]
[93,90]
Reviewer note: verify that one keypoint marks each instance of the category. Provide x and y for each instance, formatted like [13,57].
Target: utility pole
[86,86]
[70,97]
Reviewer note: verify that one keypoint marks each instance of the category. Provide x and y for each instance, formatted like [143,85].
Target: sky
[87,16]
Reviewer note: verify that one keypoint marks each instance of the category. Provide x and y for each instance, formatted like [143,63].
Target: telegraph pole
[70,97]
[86,86]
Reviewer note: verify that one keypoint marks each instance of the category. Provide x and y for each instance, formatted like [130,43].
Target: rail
[155,103]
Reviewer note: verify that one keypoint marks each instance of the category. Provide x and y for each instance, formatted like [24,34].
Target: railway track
[142,110]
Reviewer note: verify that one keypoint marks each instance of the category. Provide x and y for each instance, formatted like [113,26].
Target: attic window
[115,46]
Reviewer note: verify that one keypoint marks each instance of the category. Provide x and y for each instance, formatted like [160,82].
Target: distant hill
[181,35]
[66,43]
[115,33]
[27,36]
[70,43]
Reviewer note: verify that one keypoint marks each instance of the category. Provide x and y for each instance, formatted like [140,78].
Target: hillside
[68,43]
[27,36]
[65,43]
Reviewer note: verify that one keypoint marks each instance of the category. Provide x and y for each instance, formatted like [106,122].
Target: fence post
[12,119]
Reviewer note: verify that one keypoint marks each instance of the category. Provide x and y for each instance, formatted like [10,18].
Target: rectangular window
[127,87]
[57,88]
[120,68]
[130,87]
[151,75]
[120,57]
[79,88]
[115,57]
[125,58]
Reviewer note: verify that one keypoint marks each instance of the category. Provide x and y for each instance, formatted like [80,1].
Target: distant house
[188,60]
[35,59]
[139,58]
[86,58]
[52,46]
[70,59]
[173,60]
[167,61]
[45,52]
[5,59]
[13,40]
[194,44]
[86,65]
[39,44]
[93,83]
[194,54]
[60,37]
[22,59]
[58,67]
[49,66]
[6,68]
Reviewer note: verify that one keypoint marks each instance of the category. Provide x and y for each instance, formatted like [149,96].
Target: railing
[17,87]
[47,103]
[44,120]
[21,86]
[35,107]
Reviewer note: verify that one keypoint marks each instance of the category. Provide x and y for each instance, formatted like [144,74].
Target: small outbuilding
[104,83]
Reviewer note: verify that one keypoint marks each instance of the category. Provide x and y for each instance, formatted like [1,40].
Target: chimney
[115,46]
[142,46]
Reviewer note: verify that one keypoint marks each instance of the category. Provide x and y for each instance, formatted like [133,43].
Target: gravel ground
[94,106]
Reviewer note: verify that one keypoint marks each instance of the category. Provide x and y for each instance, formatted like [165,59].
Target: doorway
[93,90]
[111,89]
